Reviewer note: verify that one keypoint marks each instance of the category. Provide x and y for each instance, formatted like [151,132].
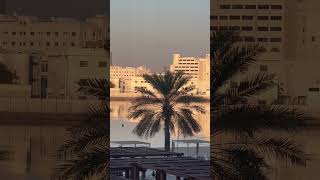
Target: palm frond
[248,87]
[238,164]
[85,164]
[95,87]
[277,148]
[254,118]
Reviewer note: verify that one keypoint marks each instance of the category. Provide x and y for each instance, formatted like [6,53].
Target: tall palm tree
[86,151]
[170,104]
[251,135]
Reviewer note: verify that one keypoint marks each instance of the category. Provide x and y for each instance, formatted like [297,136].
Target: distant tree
[172,108]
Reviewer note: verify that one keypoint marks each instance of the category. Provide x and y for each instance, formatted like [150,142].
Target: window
[223,17]
[211,17]
[276,17]
[103,64]
[263,28]
[44,67]
[234,17]
[73,44]
[56,33]
[249,39]
[74,33]
[275,39]
[262,39]
[263,17]
[237,6]
[247,17]
[314,89]
[263,68]
[225,6]
[313,39]
[32,33]
[250,7]
[214,28]
[263,6]
[56,44]
[223,28]
[276,7]
[275,28]
[31,44]
[48,43]
[48,33]
[13,43]
[247,28]
[14,33]
[84,63]
[234,28]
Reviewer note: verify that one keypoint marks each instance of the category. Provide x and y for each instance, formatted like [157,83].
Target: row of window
[237,6]
[245,28]
[32,44]
[186,60]
[188,63]
[184,67]
[42,33]
[259,39]
[187,66]
[100,64]
[232,17]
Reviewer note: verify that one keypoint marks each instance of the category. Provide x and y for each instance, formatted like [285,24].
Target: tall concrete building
[288,32]
[197,68]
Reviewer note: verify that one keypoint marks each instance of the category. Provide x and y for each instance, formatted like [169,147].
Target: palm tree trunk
[166,135]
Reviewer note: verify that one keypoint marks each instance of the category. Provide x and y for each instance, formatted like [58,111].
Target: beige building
[124,77]
[197,68]
[289,32]
[53,54]
[259,22]
[32,33]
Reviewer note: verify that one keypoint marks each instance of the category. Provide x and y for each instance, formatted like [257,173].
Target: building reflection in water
[32,151]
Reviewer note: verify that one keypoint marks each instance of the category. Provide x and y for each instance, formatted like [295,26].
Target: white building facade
[197,68]
[125,79]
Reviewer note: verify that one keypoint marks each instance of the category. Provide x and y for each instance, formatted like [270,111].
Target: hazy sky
[148,32]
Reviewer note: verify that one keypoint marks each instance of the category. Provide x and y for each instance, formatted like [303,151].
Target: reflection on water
[33,146]
[32,151]
[121,126]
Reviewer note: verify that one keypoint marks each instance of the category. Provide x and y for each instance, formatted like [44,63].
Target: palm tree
[171,105]
[251,135]
[86,152]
